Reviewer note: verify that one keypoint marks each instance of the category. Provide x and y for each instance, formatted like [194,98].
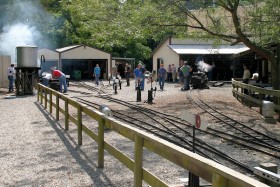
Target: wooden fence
[218,175]
[255,95]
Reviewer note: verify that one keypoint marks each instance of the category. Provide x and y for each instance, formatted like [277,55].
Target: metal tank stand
[26,80]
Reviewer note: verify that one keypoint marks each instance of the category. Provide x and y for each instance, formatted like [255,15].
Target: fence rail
[255,95]
[218,175]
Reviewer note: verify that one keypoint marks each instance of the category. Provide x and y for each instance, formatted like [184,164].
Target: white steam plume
[204,67]
[17,35]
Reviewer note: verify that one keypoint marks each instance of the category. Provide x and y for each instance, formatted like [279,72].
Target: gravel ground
[36,151]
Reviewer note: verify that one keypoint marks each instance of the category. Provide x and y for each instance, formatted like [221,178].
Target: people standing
[114,71]
[161,76]
[169,73]
[186,70]
[173,72]
[246,76]
[97,72]
[127,74]
[137,76]
[11,73]
[180,73]
[142,76]
[61,78]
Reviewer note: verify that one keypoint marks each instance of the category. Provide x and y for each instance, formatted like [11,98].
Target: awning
[208,49]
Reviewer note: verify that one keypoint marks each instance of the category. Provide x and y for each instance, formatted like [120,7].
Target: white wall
[5,63]
[167,54]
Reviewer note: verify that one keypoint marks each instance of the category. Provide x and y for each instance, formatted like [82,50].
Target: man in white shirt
[46,78]
[11,73]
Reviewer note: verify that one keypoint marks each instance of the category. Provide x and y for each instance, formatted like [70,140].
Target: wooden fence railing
[255,95]
[218,175]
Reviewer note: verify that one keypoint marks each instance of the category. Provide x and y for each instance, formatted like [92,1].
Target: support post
[101,124]
[57,108]
[193,179]
[51,101]
[138,163]
[66,115]
[46,99]
[218,180]
[80,128]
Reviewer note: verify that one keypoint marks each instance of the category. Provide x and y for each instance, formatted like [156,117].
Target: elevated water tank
[27,56]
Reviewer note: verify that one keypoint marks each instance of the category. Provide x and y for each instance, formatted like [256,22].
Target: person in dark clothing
[127,74]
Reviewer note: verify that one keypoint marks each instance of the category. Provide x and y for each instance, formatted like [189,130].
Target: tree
[256,23]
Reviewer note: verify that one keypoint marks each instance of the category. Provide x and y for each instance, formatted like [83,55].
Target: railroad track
[178,131]
[167,127]
[237,132]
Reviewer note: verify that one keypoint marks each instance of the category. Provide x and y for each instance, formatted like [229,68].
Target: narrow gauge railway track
[241,133]
[182,139]
[175,121]
[186,136]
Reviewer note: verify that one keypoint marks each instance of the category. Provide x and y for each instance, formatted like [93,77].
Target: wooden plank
[219,181]
[138,161]
[79,124]
[92,113]
[51,102]
[128,162]
[73,119]
[123,130]
[100,142]
[66,115]
[90,133]
[152,179]
[57,108]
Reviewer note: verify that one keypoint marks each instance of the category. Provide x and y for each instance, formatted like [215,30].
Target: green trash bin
[77,75]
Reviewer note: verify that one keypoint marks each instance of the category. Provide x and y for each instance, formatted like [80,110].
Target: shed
[83,59]
[172,50]
[78,61]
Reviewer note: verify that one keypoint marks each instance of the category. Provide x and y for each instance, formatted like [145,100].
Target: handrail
[261,92]
[217,174]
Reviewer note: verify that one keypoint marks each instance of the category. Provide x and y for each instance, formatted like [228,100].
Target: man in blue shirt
[137,75]
[161,76]
[97,71]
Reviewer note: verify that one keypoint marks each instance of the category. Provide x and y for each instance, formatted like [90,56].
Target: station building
[228,63]
[78,61]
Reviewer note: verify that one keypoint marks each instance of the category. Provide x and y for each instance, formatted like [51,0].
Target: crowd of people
[171,74]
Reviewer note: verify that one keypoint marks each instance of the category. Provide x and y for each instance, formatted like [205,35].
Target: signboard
[194,120]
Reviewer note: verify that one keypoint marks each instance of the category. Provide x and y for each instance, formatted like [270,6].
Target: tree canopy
[134,28]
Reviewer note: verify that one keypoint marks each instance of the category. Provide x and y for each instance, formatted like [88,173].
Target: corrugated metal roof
[208,49]
[67,48]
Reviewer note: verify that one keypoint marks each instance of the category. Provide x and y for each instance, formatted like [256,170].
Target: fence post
[138,161]
[57,107]
[80,128]
[46,99]
[41,96]
[218,180]
[66,115]
[50,101]
[101,123]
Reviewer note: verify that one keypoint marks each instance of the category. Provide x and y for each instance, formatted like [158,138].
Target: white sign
[194,120]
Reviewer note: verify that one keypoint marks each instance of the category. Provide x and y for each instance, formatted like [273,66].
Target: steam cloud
[18,35]
[204,67]
[22,18]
